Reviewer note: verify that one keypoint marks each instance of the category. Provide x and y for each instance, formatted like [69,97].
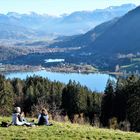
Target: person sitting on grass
[43,118]
[18,119]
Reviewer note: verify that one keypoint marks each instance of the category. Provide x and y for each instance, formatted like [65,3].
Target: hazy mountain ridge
[15,32]
[84,40]
[100,14]
[44,25]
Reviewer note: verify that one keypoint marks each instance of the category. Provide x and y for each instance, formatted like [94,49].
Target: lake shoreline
[94,81]
[83,69]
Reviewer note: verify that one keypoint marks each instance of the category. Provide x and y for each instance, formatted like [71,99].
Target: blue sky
[57,7]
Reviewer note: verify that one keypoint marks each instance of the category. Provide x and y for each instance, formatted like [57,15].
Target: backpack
[5,124]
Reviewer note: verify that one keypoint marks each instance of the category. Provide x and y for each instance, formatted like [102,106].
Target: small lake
[95,82]
[53,60]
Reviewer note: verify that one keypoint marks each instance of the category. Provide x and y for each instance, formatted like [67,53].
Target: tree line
[121,100]
[36,92]
[117,106]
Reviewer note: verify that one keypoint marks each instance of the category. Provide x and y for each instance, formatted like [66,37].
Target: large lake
[95,82]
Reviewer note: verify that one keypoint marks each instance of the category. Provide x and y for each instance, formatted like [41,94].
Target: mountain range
[116,42]
[28,26]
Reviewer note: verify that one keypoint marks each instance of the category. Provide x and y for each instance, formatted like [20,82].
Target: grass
[63,131]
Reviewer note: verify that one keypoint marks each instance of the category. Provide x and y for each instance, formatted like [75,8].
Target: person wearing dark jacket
[43,118]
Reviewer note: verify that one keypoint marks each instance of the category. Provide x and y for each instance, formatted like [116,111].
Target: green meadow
[64,131]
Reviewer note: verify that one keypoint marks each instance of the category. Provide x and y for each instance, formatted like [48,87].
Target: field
[63,131]
[132,67]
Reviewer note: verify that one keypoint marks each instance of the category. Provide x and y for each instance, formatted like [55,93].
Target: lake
[94,81]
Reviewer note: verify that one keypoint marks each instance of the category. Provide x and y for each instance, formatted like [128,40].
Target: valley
[108,45]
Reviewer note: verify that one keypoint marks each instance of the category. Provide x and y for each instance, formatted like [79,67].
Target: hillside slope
[86,39]
[122,37]
[65,131]
[8,31]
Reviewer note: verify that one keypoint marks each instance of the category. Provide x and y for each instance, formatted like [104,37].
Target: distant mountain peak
[123,6]
[129,5]
[13,14]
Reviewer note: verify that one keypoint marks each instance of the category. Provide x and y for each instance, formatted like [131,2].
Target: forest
[117,107]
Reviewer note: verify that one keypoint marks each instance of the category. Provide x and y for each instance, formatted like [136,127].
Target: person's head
[44,111]
[17,109]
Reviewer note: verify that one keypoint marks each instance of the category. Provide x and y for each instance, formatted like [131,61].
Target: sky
[58,7]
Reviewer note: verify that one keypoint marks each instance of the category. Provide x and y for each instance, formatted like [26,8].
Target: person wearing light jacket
[18,119]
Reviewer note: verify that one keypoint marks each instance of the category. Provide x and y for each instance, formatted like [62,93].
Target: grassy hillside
[64,131]
[133,66]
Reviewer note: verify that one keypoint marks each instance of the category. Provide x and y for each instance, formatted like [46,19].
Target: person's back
[43,118]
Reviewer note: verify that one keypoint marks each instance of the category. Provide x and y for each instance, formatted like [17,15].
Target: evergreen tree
[119,104]
[133,102]
[18,86]
[6,96]
[74,98]
[107,103]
